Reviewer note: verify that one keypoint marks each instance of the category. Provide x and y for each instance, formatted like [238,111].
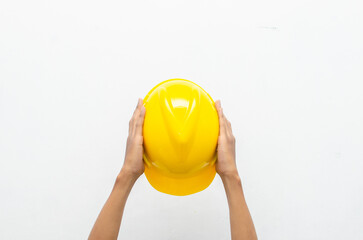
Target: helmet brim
[180,186]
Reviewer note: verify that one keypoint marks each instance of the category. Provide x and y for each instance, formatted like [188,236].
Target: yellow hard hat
[180,137]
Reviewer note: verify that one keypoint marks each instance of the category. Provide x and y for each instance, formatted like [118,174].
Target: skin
[108,223]
[241,222]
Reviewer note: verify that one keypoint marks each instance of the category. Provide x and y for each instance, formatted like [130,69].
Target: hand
[226,158]
[134,164]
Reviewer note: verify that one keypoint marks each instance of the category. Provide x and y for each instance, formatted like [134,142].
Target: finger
[140,121]
[225,122]
[217,104]
[137,109]
[134,115]
[218,108]
[229,128]
[220,117]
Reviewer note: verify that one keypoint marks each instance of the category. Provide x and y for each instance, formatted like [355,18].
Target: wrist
[232,185]
[228,173]
[232,176]
[130,171]
[123,184]
[126,177]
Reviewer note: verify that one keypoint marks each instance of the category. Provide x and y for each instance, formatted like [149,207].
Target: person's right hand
[226,157]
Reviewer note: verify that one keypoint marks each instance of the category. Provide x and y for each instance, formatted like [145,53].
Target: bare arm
[242,227]
[107,225]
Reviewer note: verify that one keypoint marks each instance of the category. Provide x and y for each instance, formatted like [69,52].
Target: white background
[289,74]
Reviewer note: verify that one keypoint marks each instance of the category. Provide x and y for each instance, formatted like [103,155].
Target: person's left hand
[134,163]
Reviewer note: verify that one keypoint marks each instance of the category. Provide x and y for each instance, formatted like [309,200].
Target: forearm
[108,222]
[241,222]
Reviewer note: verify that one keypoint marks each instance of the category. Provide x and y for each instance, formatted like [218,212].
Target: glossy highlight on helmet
[180,137]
